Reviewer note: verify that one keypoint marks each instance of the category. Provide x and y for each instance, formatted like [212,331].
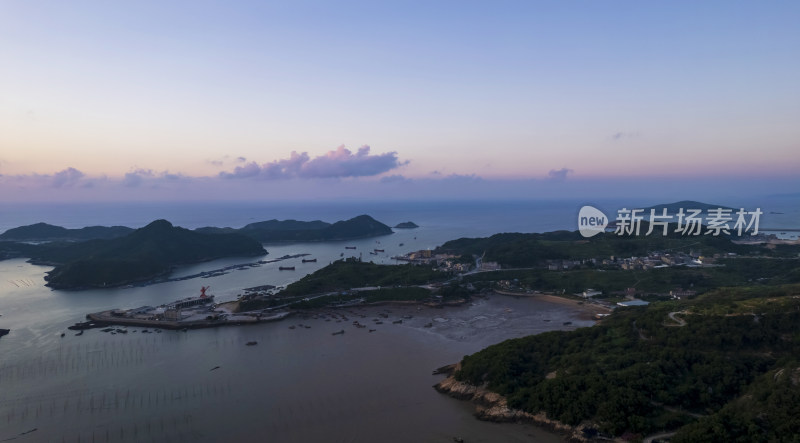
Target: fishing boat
[309,260]
[286,268]
[349,247]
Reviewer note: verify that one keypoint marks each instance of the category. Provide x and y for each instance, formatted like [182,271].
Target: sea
[299,384]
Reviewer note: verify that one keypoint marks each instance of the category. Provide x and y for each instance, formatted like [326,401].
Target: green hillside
[145,253]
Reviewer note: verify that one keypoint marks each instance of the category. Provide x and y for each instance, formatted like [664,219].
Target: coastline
[493,407]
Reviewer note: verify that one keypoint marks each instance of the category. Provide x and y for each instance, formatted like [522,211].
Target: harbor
[189,313]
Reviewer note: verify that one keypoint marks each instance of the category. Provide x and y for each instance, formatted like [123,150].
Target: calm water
[296,384]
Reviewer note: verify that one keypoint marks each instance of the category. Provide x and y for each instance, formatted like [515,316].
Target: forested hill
[523,250]
[293,230]
[142,255]
[723,367]
[47,232]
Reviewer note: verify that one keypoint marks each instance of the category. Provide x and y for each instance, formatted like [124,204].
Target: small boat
[401,244]
[286,268]
[213,369]
[372,330]
[251,343]
[338,333]
[309,260]
[349,247]
[83,325]
[567,323]
[397,322]
[341,255]
[429,325]
[379,250]
[63,334]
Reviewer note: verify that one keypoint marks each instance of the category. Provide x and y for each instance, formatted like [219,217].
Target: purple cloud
[66,178]
[339,163]
[248,170]
[559,175]
[135,178]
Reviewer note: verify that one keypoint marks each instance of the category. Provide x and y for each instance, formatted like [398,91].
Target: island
[273,231]
[142,255]
[45,232]
[406,225]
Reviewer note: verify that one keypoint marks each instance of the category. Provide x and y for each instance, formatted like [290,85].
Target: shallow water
[301,384]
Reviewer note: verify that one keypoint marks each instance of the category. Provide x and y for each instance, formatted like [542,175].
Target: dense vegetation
[299,231]
[390,282]
[46,232]
[345,274]
[733,272]
[145,253]
[530,250]
[640,372]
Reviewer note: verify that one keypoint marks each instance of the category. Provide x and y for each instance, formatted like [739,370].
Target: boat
[349,247]
[338,333]
[379,250]
[251,343]
[6,331]
[291,327]
[286,268]
[567,323]
[309,260]
[401,244]
[372,330]
[397,322]
[84,325]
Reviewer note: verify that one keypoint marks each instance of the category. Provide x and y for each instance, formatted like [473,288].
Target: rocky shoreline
[491,406]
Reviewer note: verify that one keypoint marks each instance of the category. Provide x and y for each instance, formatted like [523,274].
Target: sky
[192,100]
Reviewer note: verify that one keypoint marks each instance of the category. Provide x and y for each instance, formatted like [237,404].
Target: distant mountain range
[100,256]
[673,208]
[266,231]
[46,232]
[142,255]
[301,231]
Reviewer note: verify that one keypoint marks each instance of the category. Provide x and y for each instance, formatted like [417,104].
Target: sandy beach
[588,309]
